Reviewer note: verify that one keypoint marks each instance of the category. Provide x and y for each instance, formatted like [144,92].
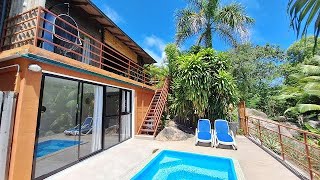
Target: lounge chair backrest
[221,126]
[204,125]
[87,122]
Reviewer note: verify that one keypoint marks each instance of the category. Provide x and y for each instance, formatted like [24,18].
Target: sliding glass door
[91,119]
[58,113]
[112,115]
[69,123]
[118,120]
[126,115]
[77,119]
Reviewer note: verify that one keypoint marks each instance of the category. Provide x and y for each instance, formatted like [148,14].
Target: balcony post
[100,58]
[37,27]
[129,69]
[308,154]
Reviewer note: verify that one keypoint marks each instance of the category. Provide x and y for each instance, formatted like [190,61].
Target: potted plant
[233,120]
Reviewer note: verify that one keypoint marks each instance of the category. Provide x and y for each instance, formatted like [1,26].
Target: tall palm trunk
[208,38]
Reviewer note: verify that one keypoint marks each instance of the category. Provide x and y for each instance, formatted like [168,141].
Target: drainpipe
[17,81]
[3,15]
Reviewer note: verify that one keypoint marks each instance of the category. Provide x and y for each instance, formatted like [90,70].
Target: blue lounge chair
[222,134]
[204,132]
[86,128]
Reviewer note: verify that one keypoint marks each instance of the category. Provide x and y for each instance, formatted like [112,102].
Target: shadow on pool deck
[123,159]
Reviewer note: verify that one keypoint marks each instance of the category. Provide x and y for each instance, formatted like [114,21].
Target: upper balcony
[61,35]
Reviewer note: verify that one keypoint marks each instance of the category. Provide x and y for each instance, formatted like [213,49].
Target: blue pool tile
[172,165]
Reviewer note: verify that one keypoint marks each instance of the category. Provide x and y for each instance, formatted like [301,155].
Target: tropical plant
[202,85]
[157,73]
[206,17]
[302,14]
[306,92]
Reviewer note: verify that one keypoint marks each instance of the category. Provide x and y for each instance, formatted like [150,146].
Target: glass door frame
[79,118]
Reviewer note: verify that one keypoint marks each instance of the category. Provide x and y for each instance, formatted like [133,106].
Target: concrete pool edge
[131,173]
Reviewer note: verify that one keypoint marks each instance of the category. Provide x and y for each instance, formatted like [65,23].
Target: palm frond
[311,70]
[189,23]
[311,79]
[305,12]
[226,34]
[311,86]
[313,93]
[303,108]
[292,109]
[234,16]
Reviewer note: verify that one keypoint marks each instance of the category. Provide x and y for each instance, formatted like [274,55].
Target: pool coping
[132,172]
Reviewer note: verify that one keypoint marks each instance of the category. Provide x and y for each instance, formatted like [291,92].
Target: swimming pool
[47,147]
[181,165]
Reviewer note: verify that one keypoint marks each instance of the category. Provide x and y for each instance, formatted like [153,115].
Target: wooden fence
[7,112]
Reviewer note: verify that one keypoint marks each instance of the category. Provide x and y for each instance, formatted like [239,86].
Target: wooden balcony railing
[301,151]
[37,27]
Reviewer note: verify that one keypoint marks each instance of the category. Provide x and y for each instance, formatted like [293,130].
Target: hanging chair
[66,33]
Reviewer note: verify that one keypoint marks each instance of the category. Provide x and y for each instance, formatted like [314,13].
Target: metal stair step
[147,130]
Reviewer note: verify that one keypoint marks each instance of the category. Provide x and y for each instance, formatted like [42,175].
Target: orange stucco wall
[27,110]
[7,79]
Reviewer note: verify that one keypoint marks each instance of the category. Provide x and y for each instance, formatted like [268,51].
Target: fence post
[308,154]
[242,115]
[281,144]
[259,129]
[246,130]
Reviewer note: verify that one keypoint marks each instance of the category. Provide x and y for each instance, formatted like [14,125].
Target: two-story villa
[80,82]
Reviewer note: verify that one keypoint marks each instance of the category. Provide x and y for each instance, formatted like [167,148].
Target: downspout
[3,15]
[17,81]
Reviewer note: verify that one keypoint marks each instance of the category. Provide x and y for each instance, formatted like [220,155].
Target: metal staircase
[152,118]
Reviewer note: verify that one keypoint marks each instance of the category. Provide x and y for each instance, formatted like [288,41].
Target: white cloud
[155,46]
[112,14]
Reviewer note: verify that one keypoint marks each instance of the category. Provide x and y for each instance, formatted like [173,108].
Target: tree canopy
[205,17]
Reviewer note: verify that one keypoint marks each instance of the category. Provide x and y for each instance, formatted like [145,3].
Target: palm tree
[302,14]
[205,17]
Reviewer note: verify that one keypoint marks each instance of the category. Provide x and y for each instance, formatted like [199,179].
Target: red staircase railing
[152,119]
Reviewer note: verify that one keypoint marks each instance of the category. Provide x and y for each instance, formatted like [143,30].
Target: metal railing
[301,152]
[35,28]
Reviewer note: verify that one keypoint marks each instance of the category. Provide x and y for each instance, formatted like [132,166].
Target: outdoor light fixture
[34,68]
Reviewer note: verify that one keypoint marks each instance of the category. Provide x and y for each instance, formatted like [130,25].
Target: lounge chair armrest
[231,132]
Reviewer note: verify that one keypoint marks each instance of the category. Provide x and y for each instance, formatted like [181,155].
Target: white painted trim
[77,78]
[133,123]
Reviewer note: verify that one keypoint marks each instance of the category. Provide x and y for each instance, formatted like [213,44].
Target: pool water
[47,147]
[172,165]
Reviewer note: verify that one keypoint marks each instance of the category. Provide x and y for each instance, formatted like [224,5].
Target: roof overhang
[108,24]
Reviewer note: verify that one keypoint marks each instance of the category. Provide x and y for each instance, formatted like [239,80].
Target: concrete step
[146,137]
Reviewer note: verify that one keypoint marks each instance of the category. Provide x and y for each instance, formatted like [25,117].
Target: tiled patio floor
[126,158]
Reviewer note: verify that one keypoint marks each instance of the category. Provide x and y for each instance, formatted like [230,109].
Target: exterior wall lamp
[34,68]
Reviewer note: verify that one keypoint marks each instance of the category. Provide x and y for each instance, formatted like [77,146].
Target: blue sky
[151,23]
